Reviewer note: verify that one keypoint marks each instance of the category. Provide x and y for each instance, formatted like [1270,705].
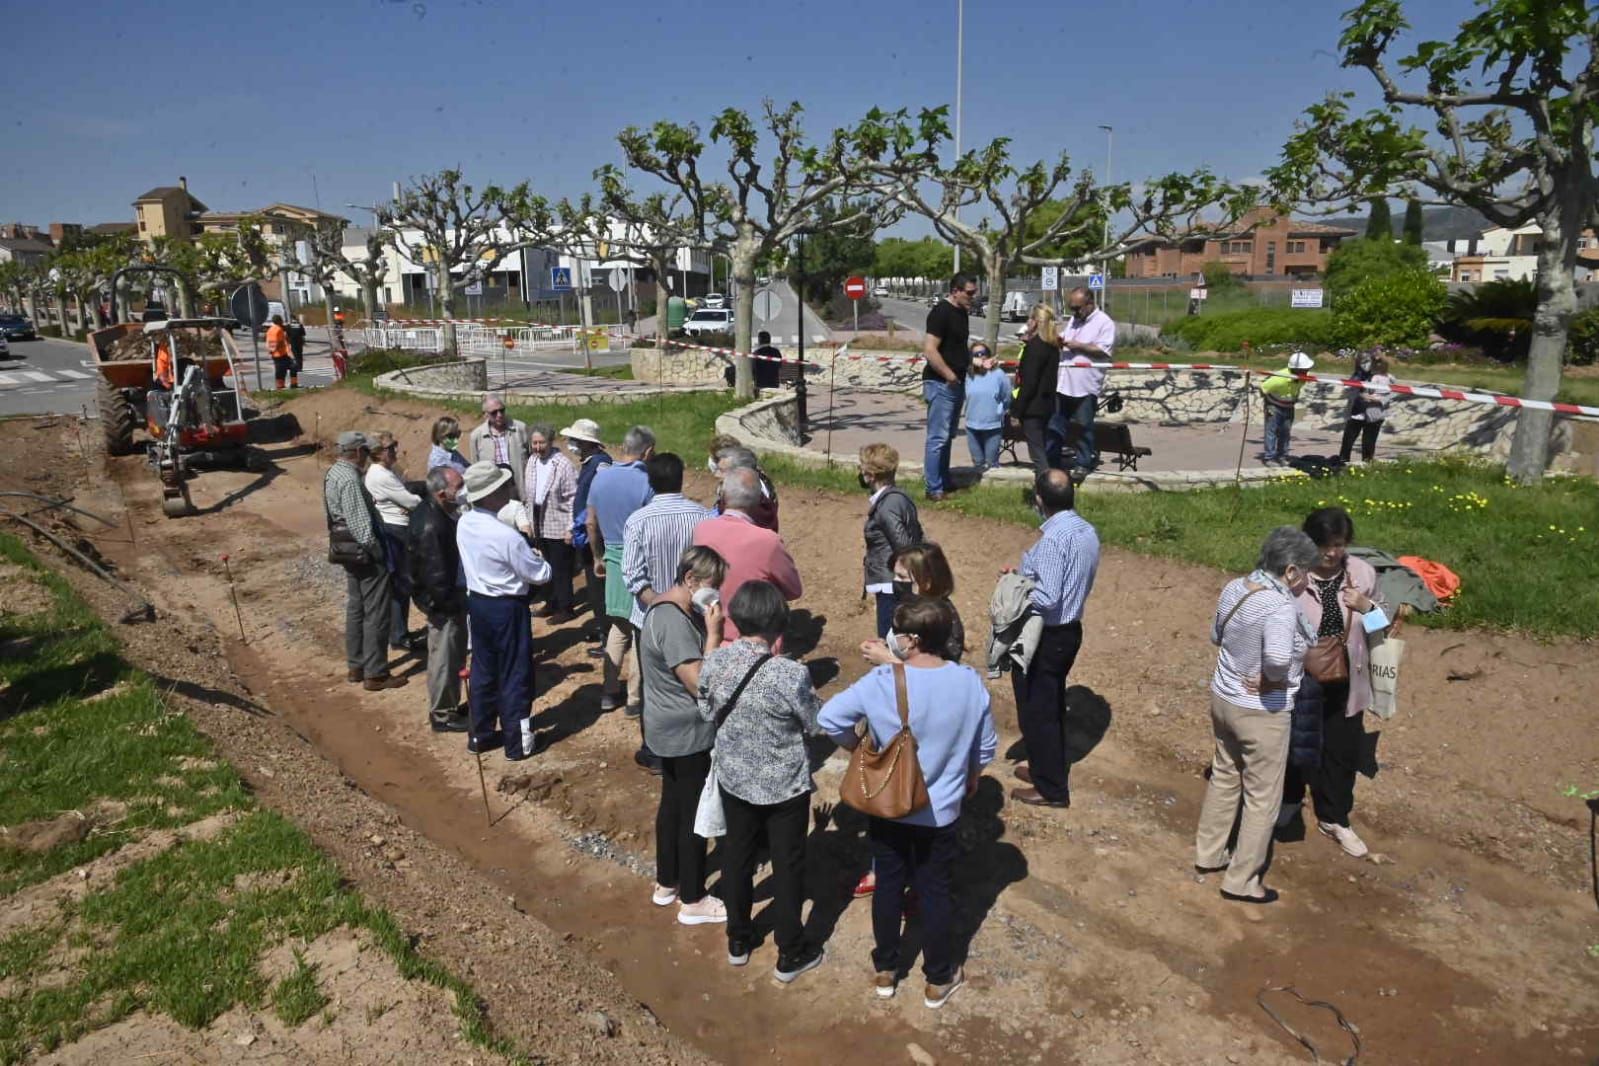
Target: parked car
[714,299]
[709,320]
[980,307]
[880,292]
[17,328]
[1018,305]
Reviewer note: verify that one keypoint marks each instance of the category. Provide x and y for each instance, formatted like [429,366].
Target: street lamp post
[799,292]
[960,71]
[1105,263]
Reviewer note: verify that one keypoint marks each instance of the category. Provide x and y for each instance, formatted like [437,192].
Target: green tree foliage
[1396,309]
[1413,222]
[1219,278]
[1499,116]
[1084,230]
[1380,223]
[1259,327]
[1496,316]
[1357,261]
[897,257]
[835,249]
[1583,349]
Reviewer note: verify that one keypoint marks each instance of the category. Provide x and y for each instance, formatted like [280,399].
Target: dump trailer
[171,387]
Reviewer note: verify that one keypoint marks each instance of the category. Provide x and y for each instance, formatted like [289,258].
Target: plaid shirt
[555,517]
[346,497]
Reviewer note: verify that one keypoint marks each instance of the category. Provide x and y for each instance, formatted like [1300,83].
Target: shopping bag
[709,820]
[1385,657]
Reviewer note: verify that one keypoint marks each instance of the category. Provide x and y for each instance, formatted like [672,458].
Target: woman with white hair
[395,503]
[1262,637]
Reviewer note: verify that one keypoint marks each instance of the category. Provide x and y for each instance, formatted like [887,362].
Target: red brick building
[1263,245]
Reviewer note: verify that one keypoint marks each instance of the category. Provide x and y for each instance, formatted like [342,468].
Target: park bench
[1110,438]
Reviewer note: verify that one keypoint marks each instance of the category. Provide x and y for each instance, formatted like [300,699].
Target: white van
[1018,305]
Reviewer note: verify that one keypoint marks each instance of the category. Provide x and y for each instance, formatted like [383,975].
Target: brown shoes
[1034,798]
[378,684]
[354,675]
[1024,773]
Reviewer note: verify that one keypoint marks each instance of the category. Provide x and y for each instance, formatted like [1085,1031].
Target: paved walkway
[858,418]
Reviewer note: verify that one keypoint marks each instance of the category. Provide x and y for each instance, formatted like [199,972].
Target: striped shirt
[1262,640]
[653,543]
[1062,565]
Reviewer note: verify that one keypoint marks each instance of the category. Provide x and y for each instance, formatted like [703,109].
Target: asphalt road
[46,377]
[912,315]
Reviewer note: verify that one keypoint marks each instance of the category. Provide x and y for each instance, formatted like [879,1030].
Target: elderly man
[584,436]
[501,569]
[654,540]
[501,440]
[946,358]
[738,457]
[437,590]
[1087,337]
[615,493]
[1061,564]
[751,553]
[354,542]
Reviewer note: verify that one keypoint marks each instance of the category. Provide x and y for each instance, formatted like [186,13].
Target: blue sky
[250,100]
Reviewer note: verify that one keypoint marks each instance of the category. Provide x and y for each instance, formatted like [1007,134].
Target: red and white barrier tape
[410,323]
[1462,395]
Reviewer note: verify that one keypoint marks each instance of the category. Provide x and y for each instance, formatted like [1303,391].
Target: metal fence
[476,339]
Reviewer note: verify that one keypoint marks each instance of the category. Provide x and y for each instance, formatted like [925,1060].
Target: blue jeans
[984,444]
[943,420]
[1079,411]
[502,671]
[1279,427]
[886,602]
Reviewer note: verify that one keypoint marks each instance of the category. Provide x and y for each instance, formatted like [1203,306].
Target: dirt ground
[1089,937]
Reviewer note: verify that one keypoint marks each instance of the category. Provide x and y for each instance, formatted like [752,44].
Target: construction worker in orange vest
[277,342]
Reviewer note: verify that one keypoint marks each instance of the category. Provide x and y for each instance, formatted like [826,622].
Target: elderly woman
[395,503]
[681,628]
[551,488]
[1263,638]
[446,439]
[1337,602]
[892,524]
[949,716]
[765,707]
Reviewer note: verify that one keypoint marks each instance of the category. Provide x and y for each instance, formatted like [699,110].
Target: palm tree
[1496,315]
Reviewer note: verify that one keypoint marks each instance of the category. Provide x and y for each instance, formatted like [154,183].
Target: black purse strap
[732,701]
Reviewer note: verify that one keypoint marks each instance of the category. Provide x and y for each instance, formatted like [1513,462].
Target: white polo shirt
[1077,377]
[496,559]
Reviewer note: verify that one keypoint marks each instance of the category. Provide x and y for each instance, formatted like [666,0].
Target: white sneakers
[707,910]
[663,896]
[1345,837]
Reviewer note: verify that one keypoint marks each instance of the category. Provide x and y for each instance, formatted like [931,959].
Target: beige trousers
[621,645]
[1251,758]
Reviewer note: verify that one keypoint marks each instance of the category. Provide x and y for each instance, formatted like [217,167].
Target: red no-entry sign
[855,288]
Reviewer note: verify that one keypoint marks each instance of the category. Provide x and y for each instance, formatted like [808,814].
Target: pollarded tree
[367,270]
[768,198]
[1506,111]
[462,232]
[1038,215]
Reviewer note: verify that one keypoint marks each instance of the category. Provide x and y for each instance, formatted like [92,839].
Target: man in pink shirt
[1087,337]
[752,553]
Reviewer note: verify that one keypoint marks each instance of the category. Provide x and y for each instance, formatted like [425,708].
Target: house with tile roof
[1263,244]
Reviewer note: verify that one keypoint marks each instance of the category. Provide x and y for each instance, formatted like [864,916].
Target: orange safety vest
[277,340]
[163,366]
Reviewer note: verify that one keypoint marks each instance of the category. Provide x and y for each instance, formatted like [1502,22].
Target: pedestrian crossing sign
[1096,281]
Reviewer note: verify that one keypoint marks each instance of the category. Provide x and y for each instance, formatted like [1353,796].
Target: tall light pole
[1105,263]
[960,85]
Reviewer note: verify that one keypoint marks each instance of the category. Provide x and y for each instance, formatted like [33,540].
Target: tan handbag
[887,782]
[1327,660]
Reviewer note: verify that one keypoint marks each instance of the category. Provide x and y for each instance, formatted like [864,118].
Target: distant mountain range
[1437,223]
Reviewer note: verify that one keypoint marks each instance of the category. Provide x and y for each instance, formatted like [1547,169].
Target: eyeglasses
[496,411]
[968,292]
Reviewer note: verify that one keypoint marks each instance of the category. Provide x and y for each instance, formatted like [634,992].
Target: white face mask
[710,466]
[704,597]
[896,647]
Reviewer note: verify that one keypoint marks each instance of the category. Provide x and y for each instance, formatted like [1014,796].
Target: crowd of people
[688,608]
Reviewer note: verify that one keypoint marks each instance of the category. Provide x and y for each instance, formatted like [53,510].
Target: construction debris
[190,345]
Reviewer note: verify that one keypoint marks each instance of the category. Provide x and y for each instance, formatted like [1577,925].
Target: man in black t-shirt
[944,379]
[766,370]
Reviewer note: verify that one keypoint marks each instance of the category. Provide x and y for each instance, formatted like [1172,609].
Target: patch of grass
[181,933]
[1525,555]
[297,996]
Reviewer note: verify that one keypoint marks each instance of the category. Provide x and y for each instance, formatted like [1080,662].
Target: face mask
[865,481]
[704,597]
[896,647]
[451,442]
[710,466]
[902,589]
[573,448]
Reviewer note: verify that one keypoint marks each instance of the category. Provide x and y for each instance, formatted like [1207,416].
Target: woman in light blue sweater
[988,396]
[955,739]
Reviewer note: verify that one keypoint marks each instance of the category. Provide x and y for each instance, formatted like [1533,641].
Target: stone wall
[465,375]
[679,367]
[771,420]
